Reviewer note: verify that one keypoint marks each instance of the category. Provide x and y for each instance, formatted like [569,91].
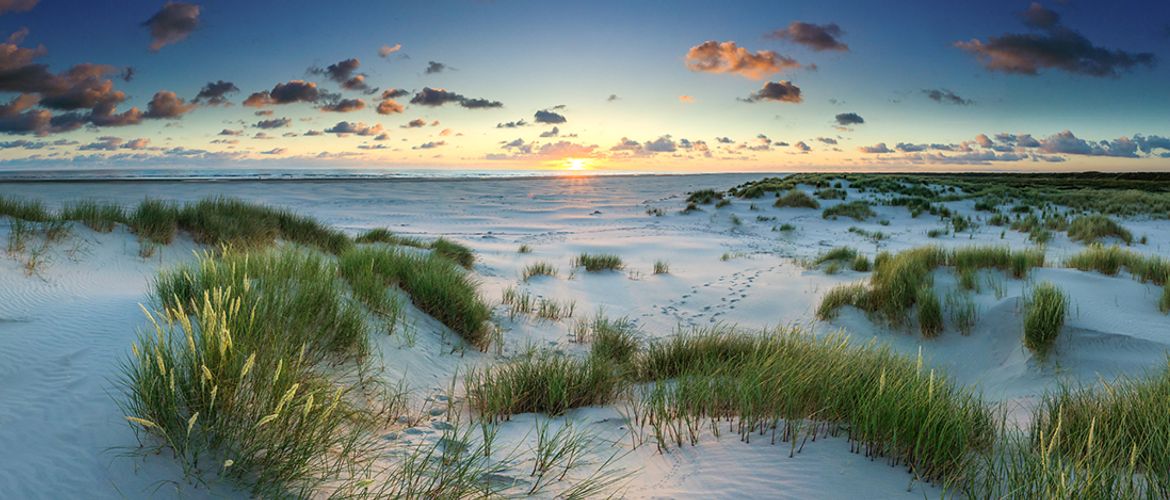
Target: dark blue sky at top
[531,55]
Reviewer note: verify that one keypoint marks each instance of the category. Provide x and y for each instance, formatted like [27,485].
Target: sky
[675,86]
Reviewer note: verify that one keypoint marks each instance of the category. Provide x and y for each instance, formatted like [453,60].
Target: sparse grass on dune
[541,382]
[383,235]
[100,217]
[661,267]
[1093,228]
[796,199]
[598,262]
[459,253]
[1112,259]
[155,221]
[930,321]
[704,196]
[898,281]
[787,385]
[536,269]
[857,210]
[614,340]
[228,377]
[843,254]
[436,285]
[1045,309]
[27,210]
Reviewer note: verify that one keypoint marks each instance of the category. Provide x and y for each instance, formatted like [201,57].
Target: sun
[576,164]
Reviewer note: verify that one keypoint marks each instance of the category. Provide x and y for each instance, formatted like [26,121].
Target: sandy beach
[66,329]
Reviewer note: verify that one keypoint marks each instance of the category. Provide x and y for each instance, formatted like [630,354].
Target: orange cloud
[727,57]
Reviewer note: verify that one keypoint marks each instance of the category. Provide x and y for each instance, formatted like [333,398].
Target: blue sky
[569,58]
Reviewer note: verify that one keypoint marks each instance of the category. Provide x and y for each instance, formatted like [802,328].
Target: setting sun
[576,164]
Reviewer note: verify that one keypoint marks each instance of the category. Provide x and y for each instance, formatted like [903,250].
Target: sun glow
[576,164]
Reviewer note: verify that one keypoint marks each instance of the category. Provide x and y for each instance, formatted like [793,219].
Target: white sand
[63,333]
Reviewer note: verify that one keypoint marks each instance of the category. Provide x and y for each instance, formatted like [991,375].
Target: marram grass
[1045,308]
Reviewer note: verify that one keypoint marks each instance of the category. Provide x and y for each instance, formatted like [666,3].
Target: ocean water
[212,174]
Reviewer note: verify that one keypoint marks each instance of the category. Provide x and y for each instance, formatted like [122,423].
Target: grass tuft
[797,199]
[598,262]
[1044,311]
[1092,228]
[857,210]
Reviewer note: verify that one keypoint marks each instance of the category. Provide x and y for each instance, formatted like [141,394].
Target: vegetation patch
[598,262]
[1093,228]
[796,199]
[1044,311]
[857,210]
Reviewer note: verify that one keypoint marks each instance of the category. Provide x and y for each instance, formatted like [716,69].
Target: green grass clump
[789,386]
[1164,302]
[524,249]
[219,221]
[1091,228]
[435,284]
[854,295]
[1044,312]
[383,235]
[100,217]
[459,253]
[836,254]
[540,382]
[538,269]
[598,262]
[28,210]
[830,194]
[1119,431]
[615,341]
[1016,262]
[704,196]
[858,210]
[230,370]
[860,264]
[155,221]
[797,199]
[930,320]
[1112,259]
[661,267]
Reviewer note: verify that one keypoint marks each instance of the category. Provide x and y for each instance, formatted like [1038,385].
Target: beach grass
[536,269]
[789,386]
[228,375]
[796,199]
[98,216]
[661,267]
[1045,309]
[383,235]
[1110,260]
[1092,228]
[436,285]
[598,262]
[540,382]
[614,340]
[857,210]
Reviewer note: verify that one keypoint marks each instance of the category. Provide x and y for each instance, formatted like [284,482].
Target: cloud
[724,140]
[612,98]
[273,151]
[876,149]
[140,143]
[435,67]
[1039,17]
[172,24]
[946,97]
[345,74]
[394,93]
[553,132]
[1054,47]
[430,145]
[7,6]
[515,124]
[663,144]
[551,150]
[389,107]
[546,116]
[273,123]
[847,119]
[827,140]
[228,131]
[1067,143]
[781,91]
[686,99]
[165,104]
[415,123]
[804,148]
[727,57]
[437,97]
[106,143]
[344,106]
[285,93]
[814,36]
[214,93]
[910,148]
[386,50]
[357,128]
